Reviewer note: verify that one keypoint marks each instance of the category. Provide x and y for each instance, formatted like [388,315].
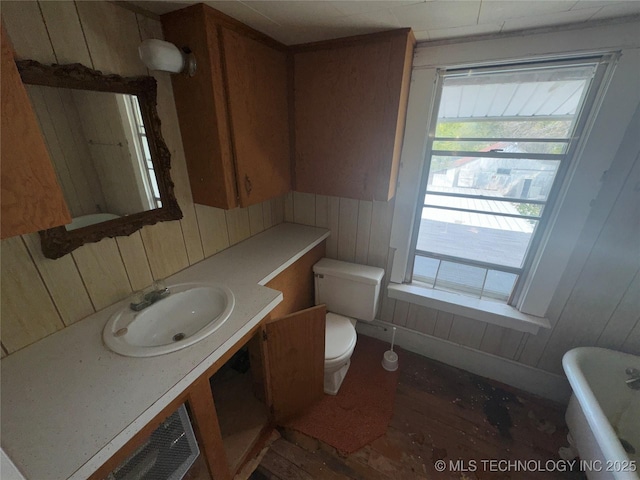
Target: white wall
[597,299]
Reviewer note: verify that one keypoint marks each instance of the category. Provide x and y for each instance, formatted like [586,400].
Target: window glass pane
[425,269]
[460,278]
[475,236]
[136,112]
[154,186]
[145,147]
[496,177]
[498,285]
[488,206]
[504,128]
[518,111]
[500,146]
[543,93]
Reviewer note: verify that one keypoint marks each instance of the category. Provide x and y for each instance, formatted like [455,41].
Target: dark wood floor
[440,413]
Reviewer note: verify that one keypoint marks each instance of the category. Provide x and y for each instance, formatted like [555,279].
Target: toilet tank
[347,288]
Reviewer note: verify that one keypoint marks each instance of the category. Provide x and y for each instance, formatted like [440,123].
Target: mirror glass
[99,149]
[104,139]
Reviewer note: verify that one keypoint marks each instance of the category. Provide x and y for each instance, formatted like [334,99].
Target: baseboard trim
[530,379]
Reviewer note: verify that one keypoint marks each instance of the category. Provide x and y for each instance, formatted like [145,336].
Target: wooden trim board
[207,428]
[351,40]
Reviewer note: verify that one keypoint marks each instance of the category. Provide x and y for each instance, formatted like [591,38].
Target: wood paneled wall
[603,308]
[41,296]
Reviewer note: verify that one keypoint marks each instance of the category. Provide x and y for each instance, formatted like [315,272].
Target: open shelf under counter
[241,415]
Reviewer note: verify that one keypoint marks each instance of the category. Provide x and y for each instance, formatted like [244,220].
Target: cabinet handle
[247,184]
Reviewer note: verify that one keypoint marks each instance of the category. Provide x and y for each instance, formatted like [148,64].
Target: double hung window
[500,143]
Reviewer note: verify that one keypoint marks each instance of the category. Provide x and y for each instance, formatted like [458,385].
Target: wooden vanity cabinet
[234,112]
[286,352]
[32,199]
[350,105]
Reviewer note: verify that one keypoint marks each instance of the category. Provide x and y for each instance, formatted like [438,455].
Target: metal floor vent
[167,454]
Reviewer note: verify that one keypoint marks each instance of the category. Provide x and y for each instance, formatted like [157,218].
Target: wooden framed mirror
[104,138]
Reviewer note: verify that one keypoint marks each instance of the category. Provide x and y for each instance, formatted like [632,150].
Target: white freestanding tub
[604,412]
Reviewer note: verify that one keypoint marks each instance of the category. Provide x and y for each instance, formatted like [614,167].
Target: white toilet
[346,289]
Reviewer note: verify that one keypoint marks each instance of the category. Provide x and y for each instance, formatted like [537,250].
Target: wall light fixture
[160,55]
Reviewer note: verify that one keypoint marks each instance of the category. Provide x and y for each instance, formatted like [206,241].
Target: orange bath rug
[363,407]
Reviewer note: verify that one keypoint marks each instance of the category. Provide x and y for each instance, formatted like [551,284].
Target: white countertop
[69,403]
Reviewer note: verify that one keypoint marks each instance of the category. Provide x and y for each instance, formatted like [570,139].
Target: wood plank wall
[603,308]
[41,296]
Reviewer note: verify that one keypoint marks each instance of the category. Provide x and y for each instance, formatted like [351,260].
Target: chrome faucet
[633,381]
[149,298]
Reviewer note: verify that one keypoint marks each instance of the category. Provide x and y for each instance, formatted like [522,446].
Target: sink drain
[178,336]
[121,332]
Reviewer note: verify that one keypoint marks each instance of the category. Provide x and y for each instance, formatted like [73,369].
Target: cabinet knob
[247,184]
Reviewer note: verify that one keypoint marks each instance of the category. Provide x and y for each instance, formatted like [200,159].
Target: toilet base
[333,379]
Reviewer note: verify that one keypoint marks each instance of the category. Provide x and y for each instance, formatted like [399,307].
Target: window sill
[483,310]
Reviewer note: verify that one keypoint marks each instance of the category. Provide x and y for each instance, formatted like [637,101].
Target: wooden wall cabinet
[32,199]
[339,104]
[234,112]
[350,105]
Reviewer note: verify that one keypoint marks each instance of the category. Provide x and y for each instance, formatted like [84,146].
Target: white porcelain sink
[191,312]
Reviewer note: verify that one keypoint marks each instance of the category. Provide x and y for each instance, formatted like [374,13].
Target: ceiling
[293,22]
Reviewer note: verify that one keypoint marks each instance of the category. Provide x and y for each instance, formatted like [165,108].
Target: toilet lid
[340,336]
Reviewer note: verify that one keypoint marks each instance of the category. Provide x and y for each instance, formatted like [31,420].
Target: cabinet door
[258,108]
[350,104]
[202,108]
[295,355]
[31,196]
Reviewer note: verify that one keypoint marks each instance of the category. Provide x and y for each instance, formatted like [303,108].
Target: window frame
[549,286]
[574,142]
[145,162]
